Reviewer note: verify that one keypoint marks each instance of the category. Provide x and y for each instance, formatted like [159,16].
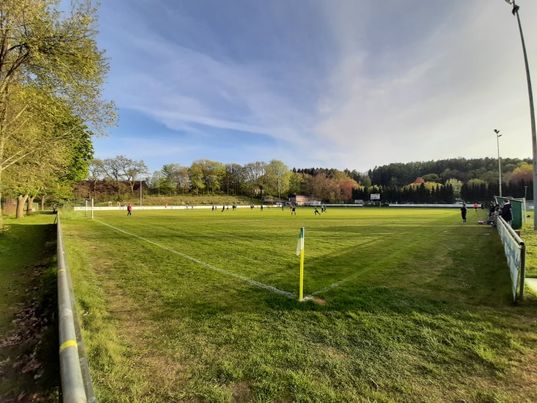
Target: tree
[122,169]
[275,180]
[74,158]
[206,175]
[56,141]
[431,177]
[130,170]
[456,185]
[324,188]
[346,187]
[296,183]
[96,172]
[47,58]
[251,174]
[524,172]
[232,180]
[175,177]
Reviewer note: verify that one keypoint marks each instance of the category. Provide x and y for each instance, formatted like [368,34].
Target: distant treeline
[485,169]
[443,193]
[443,181]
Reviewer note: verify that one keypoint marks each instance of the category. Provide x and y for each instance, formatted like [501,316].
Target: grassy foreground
[529,235]
[411,305]
[28,329]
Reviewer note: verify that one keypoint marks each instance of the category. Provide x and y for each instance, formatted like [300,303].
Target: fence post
[522,269]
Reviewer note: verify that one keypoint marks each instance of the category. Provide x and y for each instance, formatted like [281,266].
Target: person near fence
[463,212]
[129,209]
[506,212]
[492,213]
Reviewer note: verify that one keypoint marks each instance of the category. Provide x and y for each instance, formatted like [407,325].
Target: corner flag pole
[300,251]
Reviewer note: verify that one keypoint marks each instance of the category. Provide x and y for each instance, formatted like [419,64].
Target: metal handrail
[74,388]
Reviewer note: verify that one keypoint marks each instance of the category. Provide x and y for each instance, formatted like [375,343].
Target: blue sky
[343,84]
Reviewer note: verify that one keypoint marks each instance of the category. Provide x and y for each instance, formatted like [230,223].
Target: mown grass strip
[206,265]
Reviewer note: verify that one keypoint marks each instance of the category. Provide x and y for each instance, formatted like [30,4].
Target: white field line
[207,265]
[338,283]
[344,280]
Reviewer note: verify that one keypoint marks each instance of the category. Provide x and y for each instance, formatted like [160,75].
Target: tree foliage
[461,169]
[273,180]
[51,74]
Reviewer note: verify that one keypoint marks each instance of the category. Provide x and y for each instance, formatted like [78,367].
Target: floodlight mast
[532,112]
[498,135]
[141,194]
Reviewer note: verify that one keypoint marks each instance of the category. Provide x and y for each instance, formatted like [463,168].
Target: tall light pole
[141,192]
[532,111]
[498,135]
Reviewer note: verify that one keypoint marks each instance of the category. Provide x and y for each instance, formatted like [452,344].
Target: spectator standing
[463,212]
[506,212]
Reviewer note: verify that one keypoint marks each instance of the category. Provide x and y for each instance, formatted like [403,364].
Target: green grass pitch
[410,304]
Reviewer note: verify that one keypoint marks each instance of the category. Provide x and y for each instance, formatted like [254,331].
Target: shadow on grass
[466,277]
[29,334]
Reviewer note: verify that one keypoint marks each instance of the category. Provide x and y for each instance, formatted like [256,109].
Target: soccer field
[410,304]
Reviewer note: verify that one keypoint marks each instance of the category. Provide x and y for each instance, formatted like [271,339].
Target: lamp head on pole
[515,7]
[496,130]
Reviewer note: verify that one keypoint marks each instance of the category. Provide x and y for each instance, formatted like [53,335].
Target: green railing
[74,373]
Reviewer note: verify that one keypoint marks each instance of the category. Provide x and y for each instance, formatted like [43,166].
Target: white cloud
[441,101]
[409,80]
[186,88]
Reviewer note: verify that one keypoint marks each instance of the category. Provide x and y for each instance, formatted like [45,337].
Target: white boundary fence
[515,252]
[74,373]
[257,206]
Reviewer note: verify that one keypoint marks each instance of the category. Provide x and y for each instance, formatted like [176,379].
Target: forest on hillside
[483,169]
[442,181]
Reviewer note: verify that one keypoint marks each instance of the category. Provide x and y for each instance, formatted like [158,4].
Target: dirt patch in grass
[240,392]
[315,299]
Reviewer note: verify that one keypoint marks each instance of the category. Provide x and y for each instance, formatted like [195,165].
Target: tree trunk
[21,200]
[30,206]
[42,202]
[3,114]
[1,213]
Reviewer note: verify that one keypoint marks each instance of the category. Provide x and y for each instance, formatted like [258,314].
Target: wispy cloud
[440,96]
[183,87]
[349,84]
